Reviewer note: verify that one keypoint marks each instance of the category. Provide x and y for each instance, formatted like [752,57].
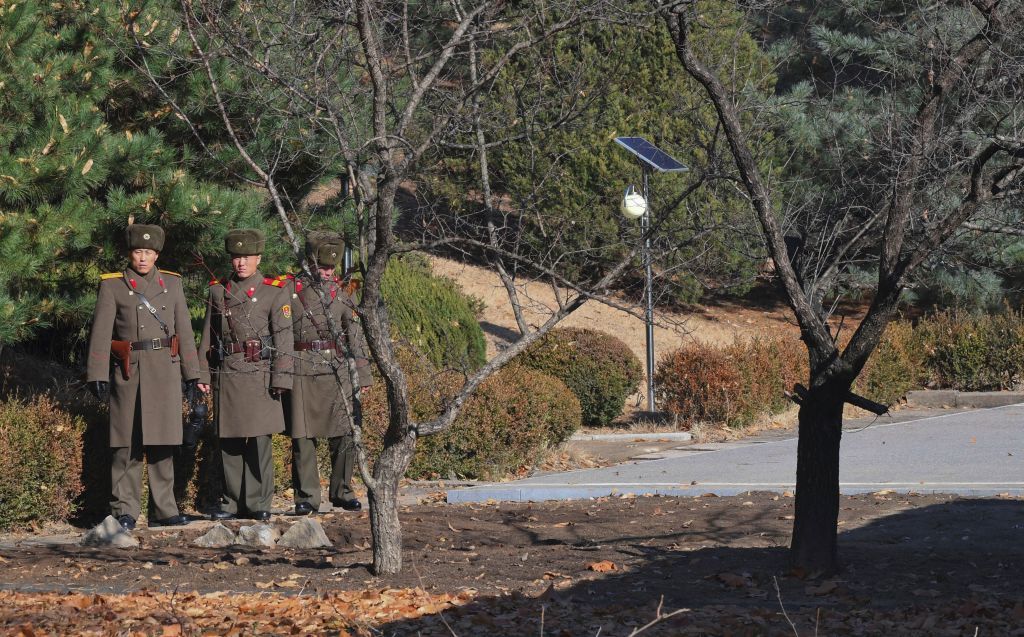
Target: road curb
[938,398]
[680,436]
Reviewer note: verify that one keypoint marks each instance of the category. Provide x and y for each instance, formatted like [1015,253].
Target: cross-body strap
[149,306]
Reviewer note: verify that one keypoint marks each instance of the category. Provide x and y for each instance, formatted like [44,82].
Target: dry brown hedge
[40,462]
[732,385]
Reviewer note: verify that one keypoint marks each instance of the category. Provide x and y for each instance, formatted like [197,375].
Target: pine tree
[565,175]
[80,159]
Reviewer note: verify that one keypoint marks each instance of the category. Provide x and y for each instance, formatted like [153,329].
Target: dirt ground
[715,324]
[918,564]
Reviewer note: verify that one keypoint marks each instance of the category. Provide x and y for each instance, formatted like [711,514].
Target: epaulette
[276,282]
[352,286]
[171,273]
[216,282]
[111,275]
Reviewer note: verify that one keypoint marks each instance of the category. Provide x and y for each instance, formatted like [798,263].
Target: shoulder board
[353,286]
[285,277]
[277,283]
[171,273]
[216,282]
[111,275]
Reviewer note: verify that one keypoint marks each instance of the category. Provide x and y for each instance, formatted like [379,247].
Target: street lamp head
[633,204]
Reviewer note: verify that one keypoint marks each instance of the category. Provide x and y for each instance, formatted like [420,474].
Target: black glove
[100,389]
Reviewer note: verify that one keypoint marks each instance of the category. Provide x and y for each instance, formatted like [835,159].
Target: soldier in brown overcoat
[246,349]
[320,404]
[140,349]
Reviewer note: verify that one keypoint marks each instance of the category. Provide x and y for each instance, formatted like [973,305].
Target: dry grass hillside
[718,324]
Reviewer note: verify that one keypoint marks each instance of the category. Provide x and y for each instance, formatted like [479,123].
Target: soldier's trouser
[248,473]
[126,477]
[343,462]
[306,476]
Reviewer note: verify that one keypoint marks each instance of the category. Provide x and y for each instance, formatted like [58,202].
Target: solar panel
[651,155]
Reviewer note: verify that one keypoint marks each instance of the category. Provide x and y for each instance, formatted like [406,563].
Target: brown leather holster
[122,352]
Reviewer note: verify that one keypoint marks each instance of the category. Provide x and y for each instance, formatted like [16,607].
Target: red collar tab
[161,282]
[250,292]
[132,283]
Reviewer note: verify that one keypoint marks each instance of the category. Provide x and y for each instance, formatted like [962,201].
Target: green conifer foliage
[79,161]
[433,314]
[565,180]
[850,86]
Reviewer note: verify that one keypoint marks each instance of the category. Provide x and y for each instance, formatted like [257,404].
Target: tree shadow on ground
[497,331]
[942,555]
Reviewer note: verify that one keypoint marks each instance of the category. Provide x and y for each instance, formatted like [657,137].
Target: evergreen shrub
[40,461]
[433,314]
[896,366]
[503,427]
[974,352]
[599,368]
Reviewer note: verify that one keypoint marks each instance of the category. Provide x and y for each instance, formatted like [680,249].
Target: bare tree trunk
[385,527]
[815,521]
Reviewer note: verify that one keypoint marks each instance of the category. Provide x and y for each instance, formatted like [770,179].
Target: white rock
[109,533]
[217,537]
[306,534]
[257,535]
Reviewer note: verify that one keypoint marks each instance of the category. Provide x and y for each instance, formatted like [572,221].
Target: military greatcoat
[254,308]
[155,376]
[320,406]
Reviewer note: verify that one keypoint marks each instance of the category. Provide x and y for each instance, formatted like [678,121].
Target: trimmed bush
[40,462]
[698,384]
[734,385]
[896,366]
[502,428]
[433,314]
[512,417]
[600,369]
[974,353]
[768,368]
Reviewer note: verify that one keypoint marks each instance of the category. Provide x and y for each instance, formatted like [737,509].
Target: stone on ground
[217,537]
[257,535]
[109,533]
[305,534]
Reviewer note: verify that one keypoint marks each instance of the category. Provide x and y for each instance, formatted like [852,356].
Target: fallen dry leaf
[823,589]
[603,566]
[734,580]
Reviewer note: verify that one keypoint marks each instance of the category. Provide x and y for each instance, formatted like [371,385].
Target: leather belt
[153,343]
[315,346]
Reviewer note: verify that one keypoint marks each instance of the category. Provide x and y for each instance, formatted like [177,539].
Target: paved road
[978,453]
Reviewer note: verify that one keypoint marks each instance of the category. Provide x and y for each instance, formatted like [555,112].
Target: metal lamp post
[635,205]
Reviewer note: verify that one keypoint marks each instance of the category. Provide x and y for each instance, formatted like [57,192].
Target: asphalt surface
[975,452]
